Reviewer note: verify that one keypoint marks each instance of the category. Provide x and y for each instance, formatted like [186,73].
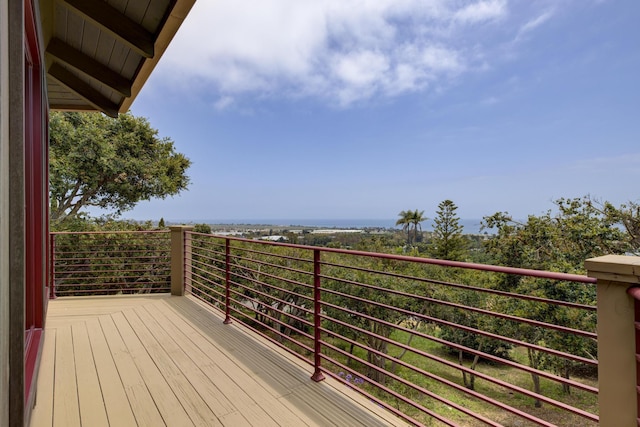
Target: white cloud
[362,68]
[223,103]
[440,59]
[534,23]
[342,51]
[482,11]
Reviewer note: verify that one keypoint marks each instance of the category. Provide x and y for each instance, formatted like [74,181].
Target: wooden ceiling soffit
[116,24]
[88,66]
[83,89]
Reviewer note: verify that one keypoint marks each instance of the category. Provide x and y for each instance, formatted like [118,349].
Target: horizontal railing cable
[109,262]
[436,301]
[442,380]
[459,347]
[369,301]
[472,288]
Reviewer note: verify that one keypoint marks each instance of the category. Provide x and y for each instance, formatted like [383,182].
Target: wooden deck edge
[63,299]
[357,398]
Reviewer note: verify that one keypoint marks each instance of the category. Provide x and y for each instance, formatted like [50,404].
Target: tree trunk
[471,383]
[464,373]
[566,371]
[534,362]
[377,360]
[404,350]
[350,358]
[376,374]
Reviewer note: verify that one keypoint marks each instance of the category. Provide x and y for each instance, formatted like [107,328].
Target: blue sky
[362,108]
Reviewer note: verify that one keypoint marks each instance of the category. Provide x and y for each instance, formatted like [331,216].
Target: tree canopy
[559,241]
[447,241]
[109,163]
[628,215]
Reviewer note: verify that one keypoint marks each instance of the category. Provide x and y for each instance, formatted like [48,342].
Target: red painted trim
[227,280]
[317,320]
[30,358]
[36,177]
[578,278]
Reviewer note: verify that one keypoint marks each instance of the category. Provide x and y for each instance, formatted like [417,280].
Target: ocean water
[471,226]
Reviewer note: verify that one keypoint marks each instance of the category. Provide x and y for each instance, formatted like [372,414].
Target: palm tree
[411,220]
[416,218]
[406,220]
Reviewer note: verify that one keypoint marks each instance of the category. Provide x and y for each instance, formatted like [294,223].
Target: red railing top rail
[445,263]
[634,291]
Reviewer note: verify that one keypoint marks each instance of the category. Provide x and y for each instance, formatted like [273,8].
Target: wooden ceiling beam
[88,66]
[83,89]
[116,23]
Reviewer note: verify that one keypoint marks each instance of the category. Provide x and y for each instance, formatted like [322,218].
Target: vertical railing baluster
[188,261]
[52,275]
[227,281]
[636,304]
[317,306]
[634,291]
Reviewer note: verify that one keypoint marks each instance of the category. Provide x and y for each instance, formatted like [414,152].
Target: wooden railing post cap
[181,227]
[614,268]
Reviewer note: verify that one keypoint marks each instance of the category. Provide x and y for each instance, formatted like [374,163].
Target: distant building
[335,231]
[275,238]
[228,233]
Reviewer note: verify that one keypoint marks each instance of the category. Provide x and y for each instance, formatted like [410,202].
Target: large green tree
[109,163]
[628,216]
[447,240]
[555,241]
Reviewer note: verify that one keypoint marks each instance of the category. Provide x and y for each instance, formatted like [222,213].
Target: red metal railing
[634,291]
[102,263]
[432,341]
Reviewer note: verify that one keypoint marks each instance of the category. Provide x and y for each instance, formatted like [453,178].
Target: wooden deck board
[245,389]
[66,412]
[224,338]
[246,392]
[190,399]
[158,360]
[141,401]
[116,403]
[172,411]
[42,414]
[92,410]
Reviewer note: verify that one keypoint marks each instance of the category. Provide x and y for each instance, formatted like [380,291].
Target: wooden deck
[163,360]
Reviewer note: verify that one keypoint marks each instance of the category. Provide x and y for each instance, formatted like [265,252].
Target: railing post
[227,281]
[188,253]
[180,262]
[617,365]
[317,307]
[52,266]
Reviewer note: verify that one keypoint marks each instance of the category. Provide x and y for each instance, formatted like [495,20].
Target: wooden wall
[4,213]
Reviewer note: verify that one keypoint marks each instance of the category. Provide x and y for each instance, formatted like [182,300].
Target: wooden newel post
[617,365]
[180,259]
